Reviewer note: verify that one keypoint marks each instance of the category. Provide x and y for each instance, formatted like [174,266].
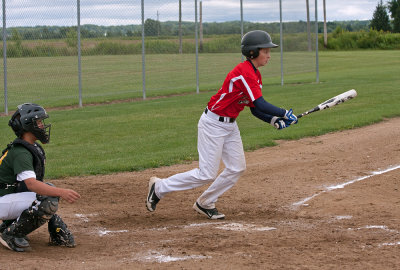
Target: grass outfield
[53,81]
[151,133]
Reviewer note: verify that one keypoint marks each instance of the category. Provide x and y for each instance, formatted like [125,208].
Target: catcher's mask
[253,41]
[29,117]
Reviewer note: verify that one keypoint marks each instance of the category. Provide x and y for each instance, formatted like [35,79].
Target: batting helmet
[26,119]
[253,41]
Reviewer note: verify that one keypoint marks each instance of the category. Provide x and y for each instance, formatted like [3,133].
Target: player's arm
[43,189]
[261,115]
[267,108]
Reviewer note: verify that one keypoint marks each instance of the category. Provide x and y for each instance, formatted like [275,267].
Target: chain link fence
[63,53]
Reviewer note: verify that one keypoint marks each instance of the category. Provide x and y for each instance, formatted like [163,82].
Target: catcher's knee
[48,206]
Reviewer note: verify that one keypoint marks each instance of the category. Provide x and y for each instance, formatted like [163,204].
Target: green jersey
[14,161]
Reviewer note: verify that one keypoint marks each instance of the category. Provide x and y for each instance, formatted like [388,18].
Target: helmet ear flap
[251,53]
[15,124]
[254,53]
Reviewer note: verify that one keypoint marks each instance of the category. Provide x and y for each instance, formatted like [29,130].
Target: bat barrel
[332,102]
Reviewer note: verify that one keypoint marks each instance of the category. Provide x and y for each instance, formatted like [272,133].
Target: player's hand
[280,123]
[70,195]
[290,116]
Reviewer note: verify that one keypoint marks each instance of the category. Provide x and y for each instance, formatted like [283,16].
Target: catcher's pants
[216,140]
[12,205]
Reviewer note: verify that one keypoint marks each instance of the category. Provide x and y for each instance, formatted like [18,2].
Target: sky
[123,12]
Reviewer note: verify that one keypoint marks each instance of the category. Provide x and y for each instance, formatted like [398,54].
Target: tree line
[171,28]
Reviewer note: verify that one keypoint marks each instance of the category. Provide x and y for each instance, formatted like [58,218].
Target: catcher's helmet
[253,41]
[26,118]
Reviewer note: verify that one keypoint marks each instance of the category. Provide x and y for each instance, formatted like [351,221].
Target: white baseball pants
[12,205]
[216,140]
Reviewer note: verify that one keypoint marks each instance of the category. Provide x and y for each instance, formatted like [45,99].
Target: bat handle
[308,112]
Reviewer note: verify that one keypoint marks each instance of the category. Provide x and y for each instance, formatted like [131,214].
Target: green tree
[151,27]
[16,49]
[380,19]
[72,38]
[16,37]
[394,8]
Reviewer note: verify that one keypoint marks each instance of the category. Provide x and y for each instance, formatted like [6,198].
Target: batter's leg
[211,138]
[235,164]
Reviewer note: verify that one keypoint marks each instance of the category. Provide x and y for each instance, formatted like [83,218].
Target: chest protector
[38,155]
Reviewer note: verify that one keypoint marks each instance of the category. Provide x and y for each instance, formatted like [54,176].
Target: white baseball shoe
[152,198]
[210,213]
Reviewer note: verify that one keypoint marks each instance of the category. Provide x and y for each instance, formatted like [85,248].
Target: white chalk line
[161,257]
[233,226]
[339,186]
[343,217]
[380,227]
[390,244]
[103,232]
[85,217]
[244,227]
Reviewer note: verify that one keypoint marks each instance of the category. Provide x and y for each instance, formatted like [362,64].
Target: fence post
[316,40]
[143,55]
[79,52]
[5,58]
[241,23]
[197,47]
[281,38]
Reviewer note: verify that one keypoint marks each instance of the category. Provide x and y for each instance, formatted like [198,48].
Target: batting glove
[290,116]
[280,123]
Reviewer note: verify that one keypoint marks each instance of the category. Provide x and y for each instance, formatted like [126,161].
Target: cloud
[120,12]
[353,10]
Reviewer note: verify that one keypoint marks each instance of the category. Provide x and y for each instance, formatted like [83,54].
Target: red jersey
[241,87]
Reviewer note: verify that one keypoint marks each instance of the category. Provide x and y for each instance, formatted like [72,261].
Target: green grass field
[53,81]
[156,132]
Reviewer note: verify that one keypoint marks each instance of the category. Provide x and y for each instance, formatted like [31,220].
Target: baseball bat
[331,102]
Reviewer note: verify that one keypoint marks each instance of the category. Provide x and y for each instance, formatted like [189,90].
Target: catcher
[26,203]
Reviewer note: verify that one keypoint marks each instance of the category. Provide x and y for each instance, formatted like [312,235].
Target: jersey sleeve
[262,105]
[261,115]
[26,175]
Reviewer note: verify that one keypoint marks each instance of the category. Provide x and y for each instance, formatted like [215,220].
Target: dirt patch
[327,202]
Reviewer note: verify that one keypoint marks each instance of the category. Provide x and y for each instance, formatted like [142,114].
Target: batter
[218,133]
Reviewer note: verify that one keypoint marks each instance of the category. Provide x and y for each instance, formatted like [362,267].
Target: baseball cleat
[210,213]
[18,244]
[152,198]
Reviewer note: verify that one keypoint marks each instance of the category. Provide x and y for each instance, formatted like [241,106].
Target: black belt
[6,186]
[222,118]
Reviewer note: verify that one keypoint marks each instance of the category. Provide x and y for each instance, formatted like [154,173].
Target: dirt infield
[327,202]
